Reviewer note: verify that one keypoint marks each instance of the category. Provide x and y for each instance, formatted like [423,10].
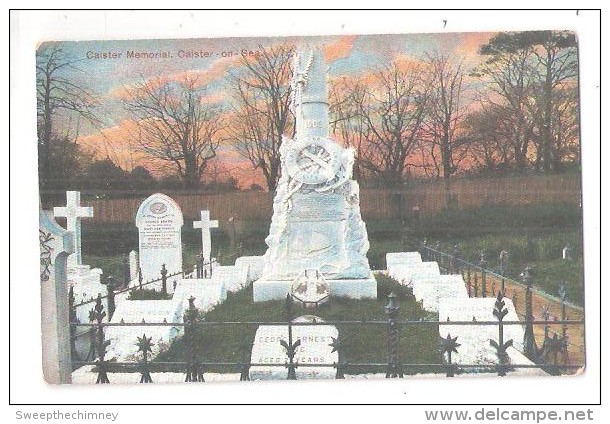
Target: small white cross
[73,212]
[206,239]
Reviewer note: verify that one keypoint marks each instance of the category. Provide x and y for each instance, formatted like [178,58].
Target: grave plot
[407,259]
[207,293]
[430,289]
[123,340]
[475,347]
[406,273]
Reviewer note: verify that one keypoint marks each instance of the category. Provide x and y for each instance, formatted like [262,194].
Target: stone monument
[316,223]
[206,224]
[73,212]
[159,221]
[56,244]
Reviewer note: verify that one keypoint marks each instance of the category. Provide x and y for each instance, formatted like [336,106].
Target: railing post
[199,265]
[98,314]
[126,271]
[245,359]
[144,345]
[437,247]
[500,312]
[337,345]
[449,345]
[73,321]
[111,303]
[194,370]
[163,279]
[424,252]
[503,266]
[564,326]
[545,316]
[562,296]
[529,342]
[454,260]
[394,369]
[476,284]
[483,265]
[289,346]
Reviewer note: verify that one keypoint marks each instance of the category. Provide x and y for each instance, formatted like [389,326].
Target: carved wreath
[45,255]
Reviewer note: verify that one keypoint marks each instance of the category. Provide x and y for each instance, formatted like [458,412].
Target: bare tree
[346,98]
[510,77]
[174,126]
[445,115]
[393,111]
[57,93]
[261,108]
[557,68]
[532,76]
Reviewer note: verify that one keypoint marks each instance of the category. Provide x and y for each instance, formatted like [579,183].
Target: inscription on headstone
[314,350]
[159,221]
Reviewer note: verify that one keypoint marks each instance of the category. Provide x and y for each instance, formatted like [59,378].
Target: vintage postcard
[328,207]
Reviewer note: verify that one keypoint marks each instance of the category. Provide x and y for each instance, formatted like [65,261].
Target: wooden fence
[427,196]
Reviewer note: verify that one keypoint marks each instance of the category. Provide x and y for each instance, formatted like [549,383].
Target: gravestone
[206,224]
[430,289]
[255,263]
[133,265]
[207,293]
[159,221]
[232,277]
[123,340]
[404,274]
[55,246]
[73,212]
[474,339]
[566,253]
[270,356]
[393,259]
[316,222]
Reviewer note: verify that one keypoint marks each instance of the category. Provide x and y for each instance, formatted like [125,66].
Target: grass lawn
[361,343]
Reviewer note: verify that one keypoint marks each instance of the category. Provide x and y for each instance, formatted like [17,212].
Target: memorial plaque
[314,356]
[159,221]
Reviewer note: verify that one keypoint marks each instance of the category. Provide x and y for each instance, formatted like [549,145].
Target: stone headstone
[159,221]
[255,263]
[404,274]
[206,224]
[123,340]
[233,278]
[393,259]
[430,289]
[474,339]
[270,356]
[207,293]
[567,253]
[133,265]
[73,212]
[55,246]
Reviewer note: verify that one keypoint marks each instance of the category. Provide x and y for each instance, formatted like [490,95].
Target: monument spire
[310,102]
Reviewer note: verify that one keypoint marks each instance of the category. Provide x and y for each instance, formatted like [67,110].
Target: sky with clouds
[109,77]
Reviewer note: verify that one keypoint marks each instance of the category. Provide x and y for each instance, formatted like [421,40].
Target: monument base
[356,288]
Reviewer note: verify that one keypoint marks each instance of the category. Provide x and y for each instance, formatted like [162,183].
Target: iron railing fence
[476,278]
[194,366]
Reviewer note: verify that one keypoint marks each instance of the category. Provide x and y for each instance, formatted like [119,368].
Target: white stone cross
[206,240]
[73,212]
